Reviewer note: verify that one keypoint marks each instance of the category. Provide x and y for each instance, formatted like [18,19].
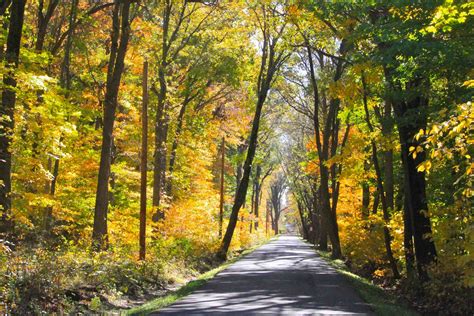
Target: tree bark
[43,20]
[243,185]
[120,30]
[365,193]
[221,202]
[66,64]
[387,129]
[271,61]
[144,163]
[174,147]
[160,147]
[410,115]
[257,194]
[304,227]
[159,170]
[380,187]
[7,109]
[329,220]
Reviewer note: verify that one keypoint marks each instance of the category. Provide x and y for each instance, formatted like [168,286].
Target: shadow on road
[283,277]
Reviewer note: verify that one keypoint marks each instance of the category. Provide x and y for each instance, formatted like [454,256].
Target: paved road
[284,276]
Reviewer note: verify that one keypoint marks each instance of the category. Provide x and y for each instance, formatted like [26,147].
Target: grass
[381,302]
[188,288]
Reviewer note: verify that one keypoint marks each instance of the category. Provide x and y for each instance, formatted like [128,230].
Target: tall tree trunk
[257,194]
[160,153]
[121,30]
[408,246]
[271,61]
[267,218]
[380,186]
[43,20]
[411,117]
[160,125]
[365,193]
[386,216]
[65,82]
[144,163]
[387,129]
[221,202]
[174,146]
[328,216]
[304,226]
[66,64]
[7,109]
[321,234]
[161,136]
[276,225]
[243,185]
[375,206]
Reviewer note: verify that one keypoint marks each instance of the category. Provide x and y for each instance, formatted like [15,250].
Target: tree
[380,184]
[15,30]
[43,20]
[272,59]
[144,163]
[179,27]
[221,200]
[278,189]
[119,42]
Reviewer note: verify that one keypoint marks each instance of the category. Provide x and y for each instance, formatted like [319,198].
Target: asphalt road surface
[284,276]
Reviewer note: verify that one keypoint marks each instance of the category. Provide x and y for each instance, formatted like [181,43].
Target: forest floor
[284,276]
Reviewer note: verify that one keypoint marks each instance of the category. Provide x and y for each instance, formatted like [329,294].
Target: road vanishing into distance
[285,276]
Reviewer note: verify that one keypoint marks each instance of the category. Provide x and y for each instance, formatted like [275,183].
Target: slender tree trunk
[277,219]
[271,61]
[387,129]
[408,246]
[121,30]
[160,124]
[252,203]
[243,185]
[159,153]
[174,147]
[257,194]
[380,188]
[7,109]
[66,64]
[386,216]
[304,227]
[161,135]
[221,202]
[375,206]
[43,21]
[267,219]
[65,82]
[416,206]
[365,193]
[323,232]
[313,203]
[329,220]
[144,164]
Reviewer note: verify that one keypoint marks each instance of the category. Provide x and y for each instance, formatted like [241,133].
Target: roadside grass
[168,299]
[381,302]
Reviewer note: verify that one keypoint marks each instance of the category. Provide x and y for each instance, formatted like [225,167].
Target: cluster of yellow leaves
[448,15]
[451,140]
[362,239]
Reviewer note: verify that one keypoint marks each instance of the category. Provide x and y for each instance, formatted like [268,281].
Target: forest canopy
[144,142]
